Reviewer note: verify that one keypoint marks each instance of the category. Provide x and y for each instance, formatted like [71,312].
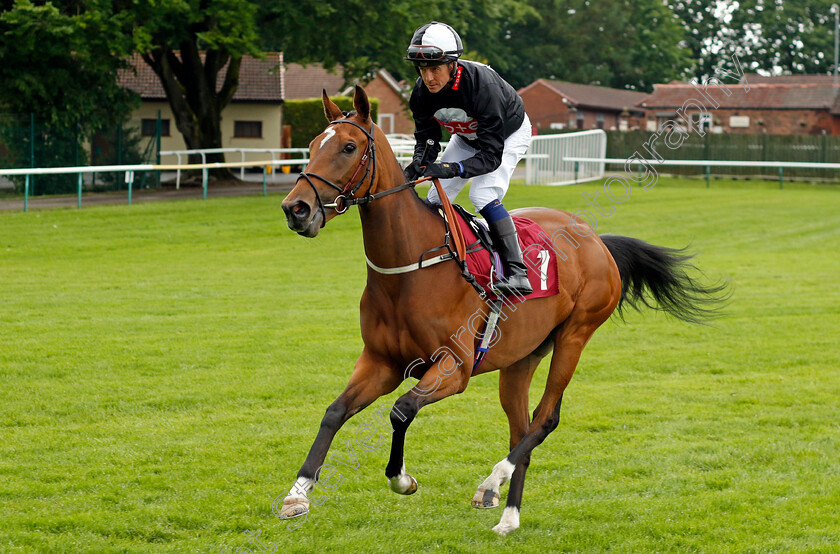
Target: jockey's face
[436,77]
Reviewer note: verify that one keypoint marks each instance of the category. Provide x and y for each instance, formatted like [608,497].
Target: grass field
[164,368]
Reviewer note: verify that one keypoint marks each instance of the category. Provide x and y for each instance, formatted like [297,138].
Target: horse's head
[341,160]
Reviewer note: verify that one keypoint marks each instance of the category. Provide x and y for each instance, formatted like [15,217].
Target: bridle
[347,194]
[347,197]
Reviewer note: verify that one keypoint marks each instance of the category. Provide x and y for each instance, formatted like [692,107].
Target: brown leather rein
[346,194]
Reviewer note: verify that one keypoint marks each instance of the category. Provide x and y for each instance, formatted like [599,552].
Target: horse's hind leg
[514,382]
[571,338]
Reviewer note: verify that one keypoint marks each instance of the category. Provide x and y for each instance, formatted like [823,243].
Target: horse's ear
[332,111]
[361,103]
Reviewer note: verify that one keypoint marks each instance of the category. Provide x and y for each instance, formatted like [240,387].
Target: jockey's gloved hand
[444,170]
[413,171]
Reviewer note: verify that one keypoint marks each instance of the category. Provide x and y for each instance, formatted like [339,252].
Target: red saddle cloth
[537,252]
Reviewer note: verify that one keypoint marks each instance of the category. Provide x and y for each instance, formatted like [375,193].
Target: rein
[454,241]
[346,194]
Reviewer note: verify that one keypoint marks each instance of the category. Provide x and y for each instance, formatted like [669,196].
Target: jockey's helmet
[434,44]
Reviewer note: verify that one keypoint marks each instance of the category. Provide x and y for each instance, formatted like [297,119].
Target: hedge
[307,117]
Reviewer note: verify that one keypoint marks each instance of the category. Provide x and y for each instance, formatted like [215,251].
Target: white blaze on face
[330,132]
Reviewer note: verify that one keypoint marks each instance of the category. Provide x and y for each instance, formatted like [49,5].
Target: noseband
[346,194]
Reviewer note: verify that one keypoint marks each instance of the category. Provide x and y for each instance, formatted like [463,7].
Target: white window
[742,121]
[386,123]
[701,121]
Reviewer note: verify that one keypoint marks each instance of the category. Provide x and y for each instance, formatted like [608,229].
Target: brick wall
[544,106]
[390,103]
[773,122]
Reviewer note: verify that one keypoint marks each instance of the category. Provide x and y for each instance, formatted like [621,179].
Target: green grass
[164,368]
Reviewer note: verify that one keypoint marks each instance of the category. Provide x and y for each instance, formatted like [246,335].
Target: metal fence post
[781,178]
[158,134]
[26,194]
[80,191]
[708,170]
[32,144]
[129,179]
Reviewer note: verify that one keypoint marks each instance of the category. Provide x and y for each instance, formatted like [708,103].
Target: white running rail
[299,153]
[702,163]
[547,162]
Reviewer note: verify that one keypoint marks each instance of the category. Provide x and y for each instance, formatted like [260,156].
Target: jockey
[490,134]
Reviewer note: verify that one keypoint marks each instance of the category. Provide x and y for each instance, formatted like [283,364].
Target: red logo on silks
[457,82]
[460,127]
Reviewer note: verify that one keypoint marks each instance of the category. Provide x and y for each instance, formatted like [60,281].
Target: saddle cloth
[537,251]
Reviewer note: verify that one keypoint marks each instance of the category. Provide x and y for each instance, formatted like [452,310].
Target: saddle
[472,247]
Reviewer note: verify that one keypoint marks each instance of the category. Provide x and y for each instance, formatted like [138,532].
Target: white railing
[401,144]
[403,147]
[708,164]
[547,160]
[130,170]
[273,152]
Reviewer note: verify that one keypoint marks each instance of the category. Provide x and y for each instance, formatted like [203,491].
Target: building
[563,105]
[394,115]
[783,105]
[253,119]
[308,81]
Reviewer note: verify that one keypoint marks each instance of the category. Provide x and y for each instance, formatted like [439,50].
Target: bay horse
[417,315]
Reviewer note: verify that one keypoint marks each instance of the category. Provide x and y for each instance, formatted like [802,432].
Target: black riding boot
[516,281]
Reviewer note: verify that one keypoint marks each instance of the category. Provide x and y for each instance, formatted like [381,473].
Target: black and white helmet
[434,44]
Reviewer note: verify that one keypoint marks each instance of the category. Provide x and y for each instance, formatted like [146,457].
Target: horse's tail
[658,277]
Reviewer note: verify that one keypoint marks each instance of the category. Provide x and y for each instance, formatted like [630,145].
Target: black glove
[413,171]
[443,171]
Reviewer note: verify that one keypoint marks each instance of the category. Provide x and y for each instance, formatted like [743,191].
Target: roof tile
[308,81]
[259,80]
[595,96]
[762,94]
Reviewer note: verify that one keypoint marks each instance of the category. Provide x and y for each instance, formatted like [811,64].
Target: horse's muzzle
[302,218]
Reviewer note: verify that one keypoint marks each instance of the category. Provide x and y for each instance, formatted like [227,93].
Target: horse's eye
[350,148]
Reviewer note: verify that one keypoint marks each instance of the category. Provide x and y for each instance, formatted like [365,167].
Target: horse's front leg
[445,378]
[372,377]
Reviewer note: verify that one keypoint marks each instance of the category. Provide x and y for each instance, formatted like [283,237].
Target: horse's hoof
[294,507]
[413,487]
[485,499]
[503,529]
[404,484]
[509,522]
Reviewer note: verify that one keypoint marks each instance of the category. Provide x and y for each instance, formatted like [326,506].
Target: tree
[363,35]
[790,37]
[189,44]
[61,59]
[58,66]
[620,44]
[63,67]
